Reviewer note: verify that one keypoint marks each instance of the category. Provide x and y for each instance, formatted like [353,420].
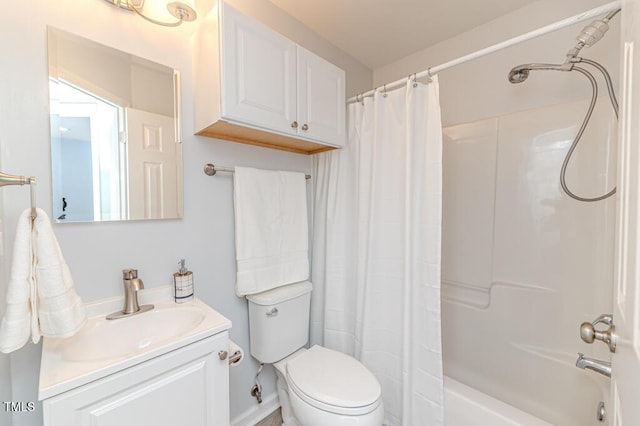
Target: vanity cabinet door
[188,386]
[258,74]
[321,99]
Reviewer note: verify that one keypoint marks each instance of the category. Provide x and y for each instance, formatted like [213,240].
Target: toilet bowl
[323,387]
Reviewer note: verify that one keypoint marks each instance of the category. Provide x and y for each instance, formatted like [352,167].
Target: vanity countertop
[104,347]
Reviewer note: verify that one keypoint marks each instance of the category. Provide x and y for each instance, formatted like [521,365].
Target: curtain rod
[431,71]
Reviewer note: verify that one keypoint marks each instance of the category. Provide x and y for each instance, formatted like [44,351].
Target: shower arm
[610,15]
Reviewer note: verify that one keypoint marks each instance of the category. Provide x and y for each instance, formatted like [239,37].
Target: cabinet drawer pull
[294,124]
[305,127]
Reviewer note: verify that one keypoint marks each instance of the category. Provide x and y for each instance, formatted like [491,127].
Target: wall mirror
[116,147]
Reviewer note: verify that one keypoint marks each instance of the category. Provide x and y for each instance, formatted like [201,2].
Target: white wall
[479,89]
[97,252]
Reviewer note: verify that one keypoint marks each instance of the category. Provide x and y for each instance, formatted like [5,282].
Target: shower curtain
[376,249]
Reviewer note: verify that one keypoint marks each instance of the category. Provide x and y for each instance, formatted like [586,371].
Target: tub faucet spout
[598,366]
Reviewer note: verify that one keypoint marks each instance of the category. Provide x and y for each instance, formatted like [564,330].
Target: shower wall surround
[523,264]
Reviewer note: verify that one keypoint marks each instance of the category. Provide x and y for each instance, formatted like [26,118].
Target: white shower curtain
[376,249]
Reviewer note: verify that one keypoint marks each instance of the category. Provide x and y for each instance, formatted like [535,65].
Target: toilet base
[288,418]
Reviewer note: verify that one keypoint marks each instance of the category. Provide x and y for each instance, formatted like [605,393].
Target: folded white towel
[40,298]
[271,229]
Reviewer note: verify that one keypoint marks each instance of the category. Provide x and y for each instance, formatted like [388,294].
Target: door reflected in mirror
[115,133]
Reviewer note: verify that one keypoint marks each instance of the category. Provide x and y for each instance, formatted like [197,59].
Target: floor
[274,419]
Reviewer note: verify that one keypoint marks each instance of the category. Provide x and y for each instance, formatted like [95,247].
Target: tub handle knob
[589,334]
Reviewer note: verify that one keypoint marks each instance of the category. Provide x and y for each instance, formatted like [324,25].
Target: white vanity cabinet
[255,86]
[187,386]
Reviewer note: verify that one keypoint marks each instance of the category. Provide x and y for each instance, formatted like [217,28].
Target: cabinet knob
[294,124]
[305,127]
[223,355]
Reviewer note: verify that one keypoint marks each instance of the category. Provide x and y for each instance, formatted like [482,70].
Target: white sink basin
[102,339]
[103,347]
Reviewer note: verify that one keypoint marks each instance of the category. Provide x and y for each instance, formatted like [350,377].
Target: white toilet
[316,386]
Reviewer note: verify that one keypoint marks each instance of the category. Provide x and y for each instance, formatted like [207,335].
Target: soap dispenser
[183,284]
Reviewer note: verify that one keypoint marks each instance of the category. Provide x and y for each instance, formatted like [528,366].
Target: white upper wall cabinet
[258,74]
[321,99]
[255,86]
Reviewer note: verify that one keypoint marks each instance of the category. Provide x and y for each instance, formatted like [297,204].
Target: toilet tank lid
[281,294]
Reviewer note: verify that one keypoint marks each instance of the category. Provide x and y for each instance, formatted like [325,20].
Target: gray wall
[96,253]
[5,361]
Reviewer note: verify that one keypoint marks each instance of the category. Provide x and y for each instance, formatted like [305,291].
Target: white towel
[41,300]
[271,229]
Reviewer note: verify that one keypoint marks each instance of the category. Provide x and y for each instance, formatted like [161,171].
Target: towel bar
[6,179]
[211,170]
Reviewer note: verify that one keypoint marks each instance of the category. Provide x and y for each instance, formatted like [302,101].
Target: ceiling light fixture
[182,10]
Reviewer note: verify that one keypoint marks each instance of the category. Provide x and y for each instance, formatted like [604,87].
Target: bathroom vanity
[168,366]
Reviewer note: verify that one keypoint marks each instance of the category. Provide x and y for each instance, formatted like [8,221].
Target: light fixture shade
[183,10]
[127,4]
[160,12]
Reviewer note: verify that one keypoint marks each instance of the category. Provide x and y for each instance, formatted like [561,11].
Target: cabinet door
[258,80]
[321,99]
[188,386]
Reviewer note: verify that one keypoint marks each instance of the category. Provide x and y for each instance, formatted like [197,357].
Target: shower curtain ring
[415,79]
[429,75]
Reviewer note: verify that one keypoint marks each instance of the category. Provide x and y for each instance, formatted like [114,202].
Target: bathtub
[465,406]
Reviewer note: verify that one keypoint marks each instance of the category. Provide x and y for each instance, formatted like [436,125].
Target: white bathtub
[465,406]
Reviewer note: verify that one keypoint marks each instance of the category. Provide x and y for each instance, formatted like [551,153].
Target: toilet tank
[279,321]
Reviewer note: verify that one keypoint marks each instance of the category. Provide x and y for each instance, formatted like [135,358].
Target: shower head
[518,74]
[521,72]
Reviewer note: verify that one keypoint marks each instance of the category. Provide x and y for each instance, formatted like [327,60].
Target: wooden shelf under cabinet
[236,133]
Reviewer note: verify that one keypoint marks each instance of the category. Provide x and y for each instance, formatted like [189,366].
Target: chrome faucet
[598,366]
[132,284]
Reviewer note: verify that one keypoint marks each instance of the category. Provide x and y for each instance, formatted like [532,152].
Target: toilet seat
[333,382]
